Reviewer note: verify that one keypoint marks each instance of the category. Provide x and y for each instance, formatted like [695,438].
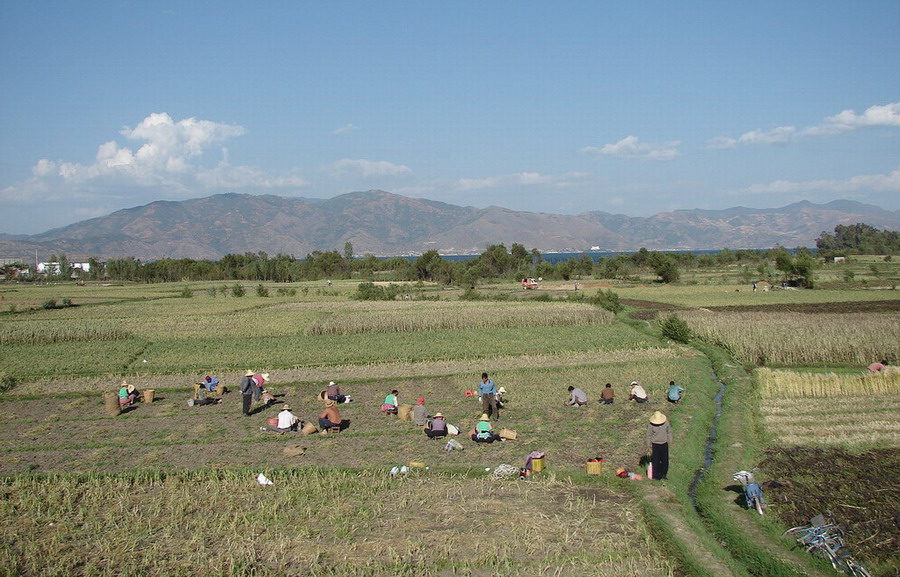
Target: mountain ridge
[388,224]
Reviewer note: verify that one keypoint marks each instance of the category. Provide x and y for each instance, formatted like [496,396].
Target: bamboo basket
[594,467]
[147,395]
[308,429]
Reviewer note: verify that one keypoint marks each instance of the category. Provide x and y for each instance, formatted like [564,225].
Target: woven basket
[594,467]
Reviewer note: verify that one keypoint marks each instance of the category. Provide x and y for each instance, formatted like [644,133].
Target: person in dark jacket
[659,437]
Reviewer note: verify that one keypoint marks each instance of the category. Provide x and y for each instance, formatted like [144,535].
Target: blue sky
[565,107]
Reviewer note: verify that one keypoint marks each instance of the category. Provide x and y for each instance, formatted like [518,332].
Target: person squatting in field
[577,397]
[128,395]
[334,393]
[659,436]
[420,413]
[330,417]
[877,367]
[483,431]
[608,395]
[487,391]
[391,403]
[287,421]
[437,427]
[638,394]
[675,393]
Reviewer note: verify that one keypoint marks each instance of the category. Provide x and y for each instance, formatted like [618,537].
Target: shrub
[238,290]
[607,300]
[186,292]
[262,291]
[675,329]
[7,382]
[369,291]
[211,291]
[49,304]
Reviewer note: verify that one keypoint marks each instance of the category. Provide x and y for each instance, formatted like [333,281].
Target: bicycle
[826,540]
[753,495]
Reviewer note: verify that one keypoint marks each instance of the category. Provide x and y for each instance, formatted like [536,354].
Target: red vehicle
[529,283]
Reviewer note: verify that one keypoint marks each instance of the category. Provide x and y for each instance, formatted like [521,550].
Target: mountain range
[387,224]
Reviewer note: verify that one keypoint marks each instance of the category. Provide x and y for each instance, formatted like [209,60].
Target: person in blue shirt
[488,393]
[675,393]
[210,383]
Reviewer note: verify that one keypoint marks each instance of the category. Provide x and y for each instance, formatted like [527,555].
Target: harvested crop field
[884,306]
[859,491]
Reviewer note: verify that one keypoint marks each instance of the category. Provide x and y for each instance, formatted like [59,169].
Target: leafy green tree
[676,329]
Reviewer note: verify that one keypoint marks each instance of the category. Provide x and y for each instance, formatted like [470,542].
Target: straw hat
[634,383]
[439,415]
[331,384]
[322,395]
[420,401]
[657,418]
[130,388]
[286,408]
[265,377]
[248,374]
[502,390]
[124,383]
[330,403]
[484,417]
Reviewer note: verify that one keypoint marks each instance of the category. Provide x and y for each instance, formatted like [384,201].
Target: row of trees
[496,262]
[858,238]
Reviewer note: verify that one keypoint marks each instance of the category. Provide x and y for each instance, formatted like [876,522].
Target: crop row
[797,338]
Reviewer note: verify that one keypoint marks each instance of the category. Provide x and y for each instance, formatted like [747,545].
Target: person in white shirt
[638,394]
[287,421]
[577,397]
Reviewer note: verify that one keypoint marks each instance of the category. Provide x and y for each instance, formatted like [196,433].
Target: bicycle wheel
[856,569]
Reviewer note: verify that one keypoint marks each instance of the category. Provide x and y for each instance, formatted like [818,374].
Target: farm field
[333,510]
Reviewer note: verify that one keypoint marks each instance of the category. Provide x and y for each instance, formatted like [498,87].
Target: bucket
[537,465]
[111,404]
[272,421]
[404,412]
[508,434]
[308,429]
[594,467]
[147,395]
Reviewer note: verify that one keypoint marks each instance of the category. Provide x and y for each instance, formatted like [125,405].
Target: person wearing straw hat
[437,427]
[127,395]
[500,397]
[483,432]
[333,392]
[330,417]
[287,421]
[259,381]
[659,437]
[246,386]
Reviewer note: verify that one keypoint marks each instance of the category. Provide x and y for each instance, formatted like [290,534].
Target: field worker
[287,421]
[488,394]
[391,403]
[420,413]
[437,427]
[202,399]
[127,395]
[659,436]
[607,395]
[333,392]
[638,394]
[877,367]
[210,383]
[500,397]
[577,397]
[246,386]
[259,381]
[483,431]
[675,392]
[330,417]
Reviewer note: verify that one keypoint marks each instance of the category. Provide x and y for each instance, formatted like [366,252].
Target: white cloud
[862,183]
[367,168]
[345,129]
[517,179]
[845,121]
[632,147]
[886,115]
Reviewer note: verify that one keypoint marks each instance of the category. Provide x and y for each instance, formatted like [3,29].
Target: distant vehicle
[529,283]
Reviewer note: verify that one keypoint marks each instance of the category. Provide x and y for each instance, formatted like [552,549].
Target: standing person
[391,403]
[437,427]
[659,437]
[333,392]
[675,392]
[246,386]
[420,413]
[607,396]
[330,417]
[488,393]
[638,394]
[577,397]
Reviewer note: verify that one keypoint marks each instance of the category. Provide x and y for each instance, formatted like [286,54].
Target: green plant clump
[675,329]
